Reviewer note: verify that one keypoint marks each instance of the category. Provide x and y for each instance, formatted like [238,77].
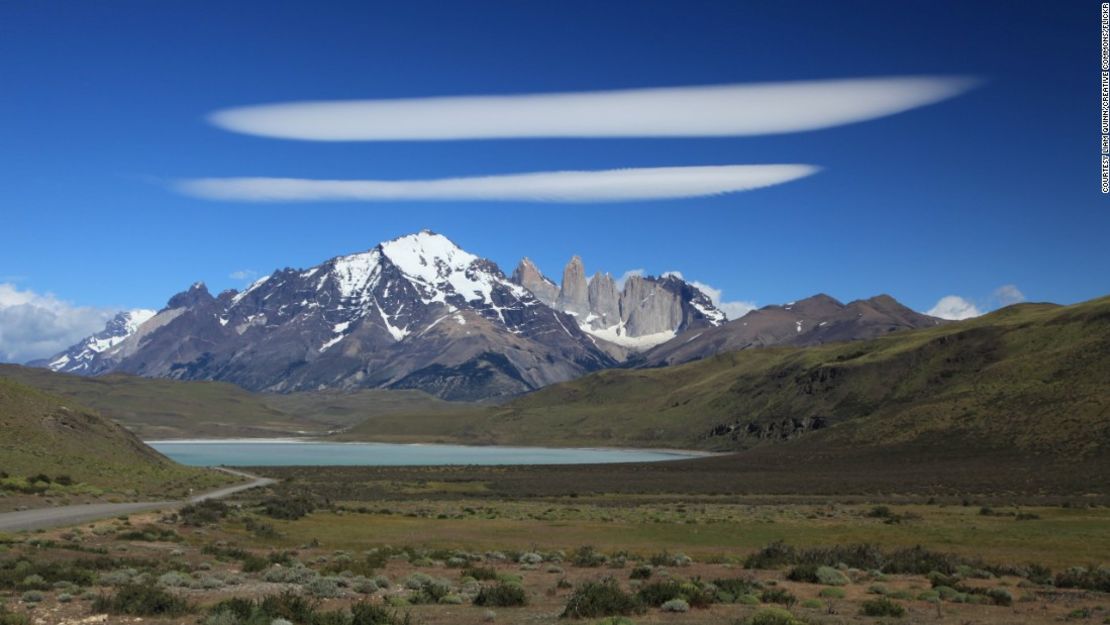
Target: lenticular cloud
[706,111]
[614,185]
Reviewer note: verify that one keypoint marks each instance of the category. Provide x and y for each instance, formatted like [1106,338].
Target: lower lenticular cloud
[705,111]
[613,185]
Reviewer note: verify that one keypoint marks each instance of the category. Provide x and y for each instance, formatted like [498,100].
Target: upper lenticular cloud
[614,185]
[723,110]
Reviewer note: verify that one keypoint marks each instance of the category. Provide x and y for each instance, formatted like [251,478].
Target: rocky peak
[197,294]
[605,309]
[529,276]
[574,295]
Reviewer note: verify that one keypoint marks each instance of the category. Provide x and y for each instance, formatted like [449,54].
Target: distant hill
[157,408]
[812,321]
[45,434]
[1032,379]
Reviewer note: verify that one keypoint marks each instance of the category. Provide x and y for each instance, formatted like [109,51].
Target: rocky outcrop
[647,311]
[574,297]
[529,276]
[605,303]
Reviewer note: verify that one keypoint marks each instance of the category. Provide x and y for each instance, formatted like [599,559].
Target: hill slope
[44,434]
[1033,378]
[157,408]
[812,321]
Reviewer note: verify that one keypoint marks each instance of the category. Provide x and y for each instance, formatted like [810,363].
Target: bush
[803,573]
[693,592]
[12,618]
[141,600]
[204,512]
[288,605]
[587,556]
[501,595]
[1087,579]
[32,596]
[289,508]
[675,605]
[1000,596]
[364,613]
[604,598]
[832,593]
[778,595]
[480,572]
[829,576]
[773,616]
[736,586]
[640,572]
[881,607]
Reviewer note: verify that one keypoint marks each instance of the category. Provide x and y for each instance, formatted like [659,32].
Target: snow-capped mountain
[81,357]
[646,312]
[414,312]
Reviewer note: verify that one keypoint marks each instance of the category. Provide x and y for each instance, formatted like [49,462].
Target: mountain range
[418,312]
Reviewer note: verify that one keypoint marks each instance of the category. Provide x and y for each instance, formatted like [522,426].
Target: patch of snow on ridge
[615,334]
[354,273]
[716,317]
[254,285]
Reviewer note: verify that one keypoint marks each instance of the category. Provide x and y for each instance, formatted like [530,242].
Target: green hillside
[42,434]
[1031,377]
[155,408]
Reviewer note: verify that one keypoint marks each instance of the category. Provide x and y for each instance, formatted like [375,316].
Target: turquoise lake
[246,453]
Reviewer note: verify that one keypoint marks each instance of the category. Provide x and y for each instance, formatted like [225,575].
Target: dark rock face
[812,321]
[415,312]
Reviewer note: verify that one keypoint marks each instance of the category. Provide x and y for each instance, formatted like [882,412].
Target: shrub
[501,595]
[241,609]
[812,604]
[587,556]
[640,572]
[12,618]
[735,586]
[141,600]
[657,593]
[773,616]
[32,596]
[603,598]
[204,512]
[288,605]
[778,595]
[675,605]
[480,572]
[1087,579]
[829,576]
[364,613]
[1000,596]
[803,573]
[881,607]
[832,593]
[289,508]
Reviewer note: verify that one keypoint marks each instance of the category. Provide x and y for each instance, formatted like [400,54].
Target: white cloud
[955,308]
[1008,294]
[613,185]
[673,274]
[243,274]
[703,111]
[626,275]
[733,309]
[34,325]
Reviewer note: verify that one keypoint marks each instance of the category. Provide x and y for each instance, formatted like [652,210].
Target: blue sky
[105,106]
